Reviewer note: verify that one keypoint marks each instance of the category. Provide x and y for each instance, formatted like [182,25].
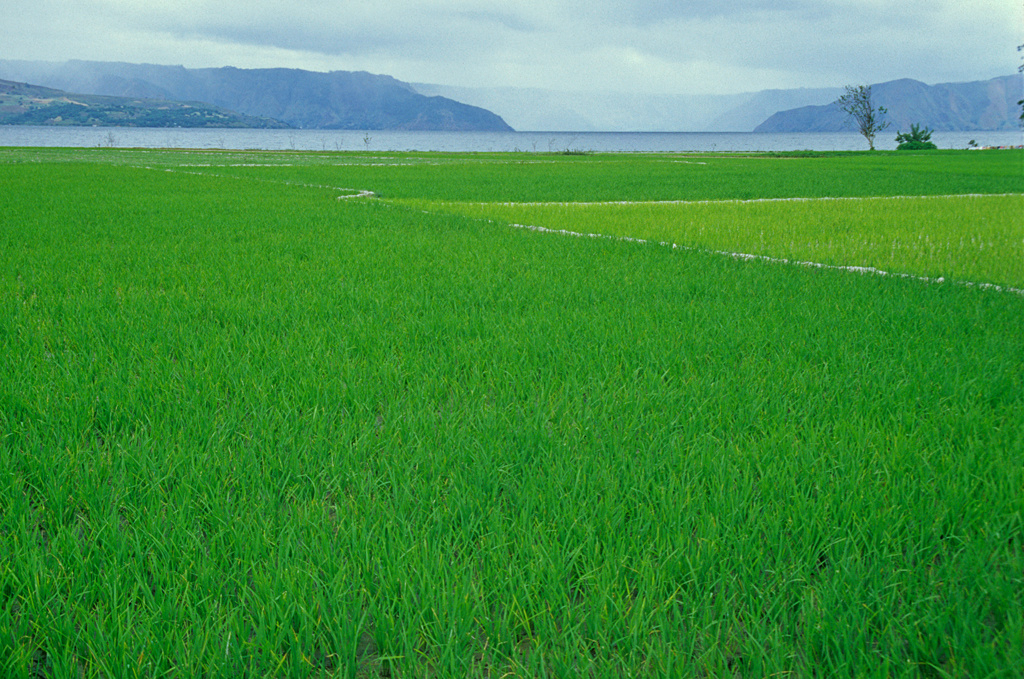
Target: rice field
[331,415]
[972,238]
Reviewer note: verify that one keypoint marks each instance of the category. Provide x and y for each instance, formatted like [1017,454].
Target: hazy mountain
[304,99]
[752,111]
[979,105]
[24,104]
[346,100]
[555,111]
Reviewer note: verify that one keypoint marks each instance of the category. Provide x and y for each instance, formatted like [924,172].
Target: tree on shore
[857,103]
[1020,69]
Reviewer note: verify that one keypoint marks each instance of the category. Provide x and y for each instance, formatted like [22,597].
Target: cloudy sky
[648,46]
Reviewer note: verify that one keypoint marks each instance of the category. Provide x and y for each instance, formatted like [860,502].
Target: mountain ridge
[302,99]
[982,105]
[26,104]
[364,101]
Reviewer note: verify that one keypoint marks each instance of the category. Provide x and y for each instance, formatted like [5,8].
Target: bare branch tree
[1020,69]
[857,103]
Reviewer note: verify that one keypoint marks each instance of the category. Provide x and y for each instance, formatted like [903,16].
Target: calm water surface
[543,142]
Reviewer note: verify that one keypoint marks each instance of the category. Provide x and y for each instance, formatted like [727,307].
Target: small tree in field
[857,103]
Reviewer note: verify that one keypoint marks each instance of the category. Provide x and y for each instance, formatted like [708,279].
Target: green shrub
[916,140]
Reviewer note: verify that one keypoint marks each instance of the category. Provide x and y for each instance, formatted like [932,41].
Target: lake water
[539,142]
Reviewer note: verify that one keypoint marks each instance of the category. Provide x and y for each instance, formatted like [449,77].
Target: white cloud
[626,45]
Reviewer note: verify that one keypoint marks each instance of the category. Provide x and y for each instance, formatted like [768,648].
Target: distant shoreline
[480,142]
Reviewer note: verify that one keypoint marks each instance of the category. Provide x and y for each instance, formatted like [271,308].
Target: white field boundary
[867,270]
[743,201]
[348,193]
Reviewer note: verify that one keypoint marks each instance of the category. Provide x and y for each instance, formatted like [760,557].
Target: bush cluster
[916,140]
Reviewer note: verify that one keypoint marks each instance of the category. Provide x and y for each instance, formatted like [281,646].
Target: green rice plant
[504,177]
[249,429]
[972,238]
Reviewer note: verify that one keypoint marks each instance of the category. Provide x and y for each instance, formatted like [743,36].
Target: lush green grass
[250,429]
[966,238]
[543,177]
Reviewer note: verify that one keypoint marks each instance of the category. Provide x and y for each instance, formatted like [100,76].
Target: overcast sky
[649,46]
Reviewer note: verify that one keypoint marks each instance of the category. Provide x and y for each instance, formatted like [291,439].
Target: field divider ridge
[745,256]
[738,201]
[350,193]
